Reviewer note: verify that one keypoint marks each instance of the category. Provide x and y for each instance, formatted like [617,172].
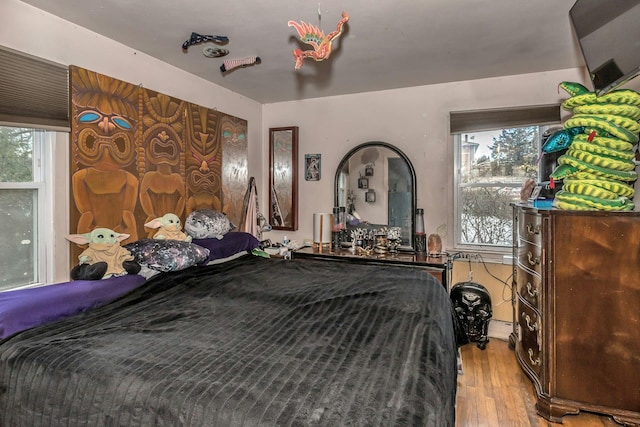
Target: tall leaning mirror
[283,178]
[377,182]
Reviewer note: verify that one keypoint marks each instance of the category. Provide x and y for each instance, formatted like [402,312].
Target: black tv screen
[608,32]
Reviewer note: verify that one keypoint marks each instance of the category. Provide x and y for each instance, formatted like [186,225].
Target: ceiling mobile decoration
[230,64]
[214,52]
[198,38]
[322,44]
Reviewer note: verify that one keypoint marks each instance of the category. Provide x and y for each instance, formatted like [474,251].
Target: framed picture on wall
[370,195]
[312,169]
[363,183]
[368,171]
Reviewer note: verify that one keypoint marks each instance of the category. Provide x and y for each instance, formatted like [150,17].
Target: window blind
[500,118]
[33,91]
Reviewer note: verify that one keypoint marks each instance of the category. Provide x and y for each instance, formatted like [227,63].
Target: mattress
[254,341]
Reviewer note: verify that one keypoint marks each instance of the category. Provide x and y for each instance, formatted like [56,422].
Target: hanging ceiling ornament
[197,39]
[230,64]
[214,52]
[312,35]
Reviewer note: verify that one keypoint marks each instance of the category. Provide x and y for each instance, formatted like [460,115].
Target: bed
[251,341]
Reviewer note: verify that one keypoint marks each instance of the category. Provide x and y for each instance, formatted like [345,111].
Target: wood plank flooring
[493,391]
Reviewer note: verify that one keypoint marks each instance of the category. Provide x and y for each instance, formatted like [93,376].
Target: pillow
[167,255]
[207,223]
[230,244]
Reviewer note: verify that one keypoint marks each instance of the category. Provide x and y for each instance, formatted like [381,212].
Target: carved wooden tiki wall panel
[204,161]
[103,156]
[161,159]
[138,154]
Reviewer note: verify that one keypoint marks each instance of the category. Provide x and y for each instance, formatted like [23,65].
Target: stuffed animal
[207,223]
[169,227]
[598,170]
[104,257]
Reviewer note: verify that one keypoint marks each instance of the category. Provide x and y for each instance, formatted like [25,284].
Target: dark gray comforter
[256,342]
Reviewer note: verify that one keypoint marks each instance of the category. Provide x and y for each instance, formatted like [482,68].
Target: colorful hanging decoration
[312,35]
[230,64]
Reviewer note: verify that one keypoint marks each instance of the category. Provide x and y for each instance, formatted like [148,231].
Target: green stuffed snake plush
[598,169]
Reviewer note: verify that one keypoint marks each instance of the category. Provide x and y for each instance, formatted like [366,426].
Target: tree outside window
[19,200]
[492,167]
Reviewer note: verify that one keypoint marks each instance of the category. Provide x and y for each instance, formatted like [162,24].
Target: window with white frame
[24,205]
[34,126]
[492,162]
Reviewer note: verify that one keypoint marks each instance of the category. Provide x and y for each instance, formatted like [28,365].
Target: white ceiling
[386,44]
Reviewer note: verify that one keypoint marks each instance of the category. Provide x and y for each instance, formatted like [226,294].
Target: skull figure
[472,304]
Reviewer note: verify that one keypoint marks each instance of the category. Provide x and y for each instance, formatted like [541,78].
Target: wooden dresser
[577,310]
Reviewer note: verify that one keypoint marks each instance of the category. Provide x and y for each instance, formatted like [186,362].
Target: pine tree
[16,154]
[514,149]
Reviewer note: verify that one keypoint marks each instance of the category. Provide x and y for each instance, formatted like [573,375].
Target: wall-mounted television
[608,32]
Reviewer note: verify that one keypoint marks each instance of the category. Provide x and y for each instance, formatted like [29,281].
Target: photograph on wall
[312,167]
[368,171]
[370,196]
[363,182]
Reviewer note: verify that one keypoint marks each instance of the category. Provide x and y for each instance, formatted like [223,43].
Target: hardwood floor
[493,391]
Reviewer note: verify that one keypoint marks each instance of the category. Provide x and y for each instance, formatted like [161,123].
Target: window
[492,167]
[33,220]
[25,209]
[495,152]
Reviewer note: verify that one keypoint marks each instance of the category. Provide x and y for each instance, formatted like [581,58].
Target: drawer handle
[531,293]
[527,319]
[531,259]
[535,362]
[533,229]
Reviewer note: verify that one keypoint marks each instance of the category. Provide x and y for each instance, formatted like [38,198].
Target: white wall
[416,120]
[30,30]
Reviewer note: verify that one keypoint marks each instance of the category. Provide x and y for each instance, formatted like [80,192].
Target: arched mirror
[377,182]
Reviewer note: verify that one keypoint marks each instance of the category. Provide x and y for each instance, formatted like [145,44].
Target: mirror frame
[400,154]
[291,135]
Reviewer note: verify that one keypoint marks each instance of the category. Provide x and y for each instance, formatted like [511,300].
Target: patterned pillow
[167,255]
[207,223]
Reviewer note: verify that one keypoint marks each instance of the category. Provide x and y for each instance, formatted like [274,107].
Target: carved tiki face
[104,120]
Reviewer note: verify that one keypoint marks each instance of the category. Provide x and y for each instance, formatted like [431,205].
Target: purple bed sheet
[27,308]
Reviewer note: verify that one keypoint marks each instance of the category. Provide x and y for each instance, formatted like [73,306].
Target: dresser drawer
[530,335]
[530,257]
[529,287]
[530,228]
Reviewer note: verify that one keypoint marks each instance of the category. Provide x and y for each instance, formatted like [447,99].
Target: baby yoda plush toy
[169,227]
[104,257]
